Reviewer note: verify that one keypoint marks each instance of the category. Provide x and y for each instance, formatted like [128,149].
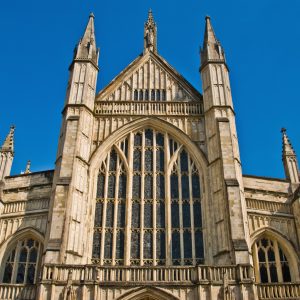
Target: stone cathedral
[147,200]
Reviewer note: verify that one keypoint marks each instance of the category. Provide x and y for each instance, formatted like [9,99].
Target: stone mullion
[277,261]
[128,204]
[190,168]
[168,224]
[117,174]
[142,172]
[104,209]
[154,197]
[180,210]
[16,263]
[37,262]
[256,262]
[267,264]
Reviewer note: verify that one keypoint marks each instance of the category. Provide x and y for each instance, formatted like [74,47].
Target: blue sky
[261,40]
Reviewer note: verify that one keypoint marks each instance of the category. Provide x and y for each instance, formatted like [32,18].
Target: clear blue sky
[261,39]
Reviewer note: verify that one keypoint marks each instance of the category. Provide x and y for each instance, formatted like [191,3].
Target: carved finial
[150,30]
[27,170]
[8,145]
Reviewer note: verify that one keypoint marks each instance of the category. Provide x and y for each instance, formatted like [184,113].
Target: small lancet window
[157,95]
[163,95]
[135,95]
[146,95]
[141,95]
[152,95]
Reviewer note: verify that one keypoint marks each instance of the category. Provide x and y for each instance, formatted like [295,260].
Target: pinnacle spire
[150,34]
[287,148]
[212,49]
[8,145]
[27,170]
[86,48]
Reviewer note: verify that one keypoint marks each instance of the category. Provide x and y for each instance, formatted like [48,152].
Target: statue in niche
[150,38]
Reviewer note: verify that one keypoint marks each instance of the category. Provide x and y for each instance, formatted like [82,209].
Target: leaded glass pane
[186,214]
[160,245]
[263,274]
[159,139]
[33,255]
[148,187]
[184,161]
[261,255]
[135,219]
[175,245]
[152,95]
[138,139]
[110,214]
[135,244]
[113,160]
[30,274]
[148,160]
[100,186]
[121,215]
[196,186]
[160,160]
[160,214]
[30,243]
[199,244]
[148,137]
[197,214]
[158,95]
[174,186]
[271,255]
[98,214]
[137,160]
[185,187]
[136,187]
[122,186]
[96,244]
[20,273]
[273,273]
[187,241]
[147,244]
[120,245]
[8,273]
[23,255]
[286,273]
[111,186]
[108,245]
[175,214]
[160,186]
[148,215]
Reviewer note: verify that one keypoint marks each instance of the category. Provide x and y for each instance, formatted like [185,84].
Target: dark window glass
[109,214]
[148,137]
[135,221]
[160,245]
[138,139]
[141,96]
[273,273]
[7,273]
[120,245]
[185,187]
[113,161]
[100,186]
[121,215]
[197,215]
[160,160]
[136,187]
[137,160]
[187,241]
[152,95]
[159,140]
[96,244]
[264,242]
[148,187]
[146,95]
[186,214]
[175,214]
[163,95]
[160,186]
[33,255]
[175,245]
[160,214]
[148,160]
[111,186]
[135,95]
[196,186]
[174,186]
[199,244]
[286,273]
[122,186]
[30,274]
[108,245]
[20,273]
[271,255]
[98,214]
[184,161]
[158,95]
[263,274]
[147,245]
[148,215]
[135,244]
[23,255]
[261,255]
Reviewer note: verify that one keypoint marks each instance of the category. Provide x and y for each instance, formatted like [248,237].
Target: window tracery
[271,262]
[21,264]
[144,203]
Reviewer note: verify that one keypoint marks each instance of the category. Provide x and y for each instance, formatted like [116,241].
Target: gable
[149,78]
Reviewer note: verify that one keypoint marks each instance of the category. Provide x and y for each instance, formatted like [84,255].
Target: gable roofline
[177,76]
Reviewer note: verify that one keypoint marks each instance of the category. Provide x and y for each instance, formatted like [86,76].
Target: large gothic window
[21,264]
[149,182]
[271,262]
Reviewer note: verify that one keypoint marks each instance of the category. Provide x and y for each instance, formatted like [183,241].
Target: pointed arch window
[270,261]
[21,263]
[155,196]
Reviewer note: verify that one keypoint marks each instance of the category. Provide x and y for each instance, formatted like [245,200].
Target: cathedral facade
[147,199]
